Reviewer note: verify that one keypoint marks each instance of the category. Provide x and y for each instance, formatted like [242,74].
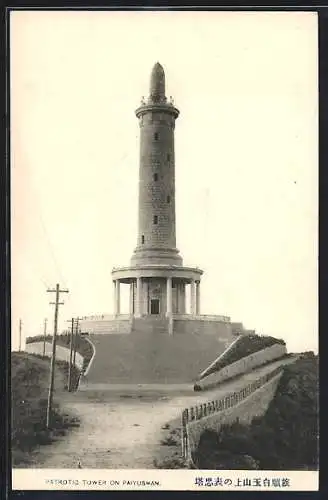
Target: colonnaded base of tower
[131,351]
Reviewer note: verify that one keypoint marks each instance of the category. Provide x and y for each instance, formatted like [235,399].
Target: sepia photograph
[164,249]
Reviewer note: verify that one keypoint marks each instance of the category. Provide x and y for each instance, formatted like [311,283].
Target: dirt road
[122,433]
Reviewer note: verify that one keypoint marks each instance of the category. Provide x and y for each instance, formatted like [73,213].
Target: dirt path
[121,433]
[111,435]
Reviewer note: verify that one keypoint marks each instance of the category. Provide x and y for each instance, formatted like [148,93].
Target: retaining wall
[250,402]
[243,365]
[62,353]
[98,326]
[191,326]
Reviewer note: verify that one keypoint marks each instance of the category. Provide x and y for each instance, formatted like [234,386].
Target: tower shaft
[156,241]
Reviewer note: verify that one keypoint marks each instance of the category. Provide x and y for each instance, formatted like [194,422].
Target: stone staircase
[149,355]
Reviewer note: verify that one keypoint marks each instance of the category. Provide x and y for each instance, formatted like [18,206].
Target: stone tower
[156,233]
[156,275]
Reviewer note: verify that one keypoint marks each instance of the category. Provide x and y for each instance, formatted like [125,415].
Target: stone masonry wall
[106,326]
[156,181]
[245,406]
[62,353]
[203,327]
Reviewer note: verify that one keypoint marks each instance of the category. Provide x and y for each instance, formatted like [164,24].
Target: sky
[246,146]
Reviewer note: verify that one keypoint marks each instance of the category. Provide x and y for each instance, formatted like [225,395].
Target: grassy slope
[286,438]
[246,345]
[29,384]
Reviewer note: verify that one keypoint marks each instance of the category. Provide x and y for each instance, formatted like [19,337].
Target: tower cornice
[160,107]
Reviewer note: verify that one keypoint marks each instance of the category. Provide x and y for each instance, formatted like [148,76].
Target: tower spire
[157,84]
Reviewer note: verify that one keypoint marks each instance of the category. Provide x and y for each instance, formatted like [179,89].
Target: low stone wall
[114,325]
[202,317]
[62,353]
[243,365]
[189,326]
[250,402]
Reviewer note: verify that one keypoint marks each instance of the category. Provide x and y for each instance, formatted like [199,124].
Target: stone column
[193,298]
[114,296]
[169,296]
[197,297]
[117,298]
[138,297]
[131,299]
[182,306]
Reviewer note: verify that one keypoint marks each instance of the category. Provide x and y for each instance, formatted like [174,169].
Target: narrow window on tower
[156,136]
[155,177]
[168,199]
[155,219]
[142,239]
[168,156]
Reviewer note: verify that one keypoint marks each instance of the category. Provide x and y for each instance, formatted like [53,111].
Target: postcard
[164,170]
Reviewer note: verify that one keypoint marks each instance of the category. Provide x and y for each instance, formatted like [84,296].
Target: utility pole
[20,335]
[44,336]
[69,383]
[75,338]
[57,290]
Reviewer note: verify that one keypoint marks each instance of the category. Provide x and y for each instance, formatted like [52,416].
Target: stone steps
[146,357]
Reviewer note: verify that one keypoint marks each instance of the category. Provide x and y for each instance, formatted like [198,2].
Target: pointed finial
[157,83]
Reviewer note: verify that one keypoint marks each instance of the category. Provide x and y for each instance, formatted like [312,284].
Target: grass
[168,455]
[246,345]
[173,462]
[30,379]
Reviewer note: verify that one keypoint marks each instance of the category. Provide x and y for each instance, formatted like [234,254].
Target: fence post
[184,437]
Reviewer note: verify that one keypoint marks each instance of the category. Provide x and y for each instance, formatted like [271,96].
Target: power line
[51,249]
[39,211]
